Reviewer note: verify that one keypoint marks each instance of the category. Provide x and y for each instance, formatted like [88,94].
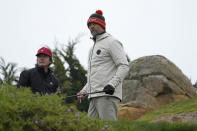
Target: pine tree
[58,68]
[72,78]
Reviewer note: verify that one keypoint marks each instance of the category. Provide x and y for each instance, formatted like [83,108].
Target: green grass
[189,105]
[145,126]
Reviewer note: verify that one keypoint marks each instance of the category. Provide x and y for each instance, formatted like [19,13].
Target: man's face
[95,29]
[43,60]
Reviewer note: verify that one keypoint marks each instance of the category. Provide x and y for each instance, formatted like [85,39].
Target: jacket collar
[41,70]
[101,36]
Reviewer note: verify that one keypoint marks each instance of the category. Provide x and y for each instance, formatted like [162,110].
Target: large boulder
[153,81]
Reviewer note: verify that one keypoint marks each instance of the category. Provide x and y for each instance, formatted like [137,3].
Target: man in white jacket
[107,67]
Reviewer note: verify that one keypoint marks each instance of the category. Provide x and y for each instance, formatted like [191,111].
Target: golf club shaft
[86,94]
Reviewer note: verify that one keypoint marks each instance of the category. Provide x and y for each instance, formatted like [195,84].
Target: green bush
[21,110]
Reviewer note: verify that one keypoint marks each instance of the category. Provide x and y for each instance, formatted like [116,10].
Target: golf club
[86,94]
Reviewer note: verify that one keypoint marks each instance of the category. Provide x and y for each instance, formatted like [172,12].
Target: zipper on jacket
[90,64]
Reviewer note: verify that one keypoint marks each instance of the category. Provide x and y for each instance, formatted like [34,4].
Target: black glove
[108,89]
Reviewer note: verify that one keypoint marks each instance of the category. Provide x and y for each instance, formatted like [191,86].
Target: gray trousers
[104,108]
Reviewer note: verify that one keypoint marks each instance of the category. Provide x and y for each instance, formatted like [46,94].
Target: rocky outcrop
[132,111]
[153,81]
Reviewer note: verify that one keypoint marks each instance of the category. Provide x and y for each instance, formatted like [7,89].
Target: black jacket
[39,81]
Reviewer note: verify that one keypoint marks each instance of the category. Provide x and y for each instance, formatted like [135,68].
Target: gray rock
[156,81]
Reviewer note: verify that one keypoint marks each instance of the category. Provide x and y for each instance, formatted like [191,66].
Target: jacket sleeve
[85,87]
[119,57]
[24,79]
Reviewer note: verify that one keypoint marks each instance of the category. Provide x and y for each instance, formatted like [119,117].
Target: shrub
[20,109]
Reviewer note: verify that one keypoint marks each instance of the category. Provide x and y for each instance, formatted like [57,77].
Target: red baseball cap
[44,50]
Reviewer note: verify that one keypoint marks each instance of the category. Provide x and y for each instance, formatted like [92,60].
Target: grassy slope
[189,105]
[143,124]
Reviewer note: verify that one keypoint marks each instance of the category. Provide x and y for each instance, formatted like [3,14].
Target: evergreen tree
[76,71]
[58,68]
[72,78]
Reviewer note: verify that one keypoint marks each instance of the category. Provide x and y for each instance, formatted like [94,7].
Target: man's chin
[93,33]
[41,65]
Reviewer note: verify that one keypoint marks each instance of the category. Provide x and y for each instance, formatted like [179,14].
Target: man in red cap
[40,78]
[107,67]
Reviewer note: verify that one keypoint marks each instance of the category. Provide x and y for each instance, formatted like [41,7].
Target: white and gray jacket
[107,64]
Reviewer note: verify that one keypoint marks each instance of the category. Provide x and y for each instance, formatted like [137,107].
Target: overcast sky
[145,27]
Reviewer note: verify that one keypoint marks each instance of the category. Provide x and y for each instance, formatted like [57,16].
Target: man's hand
[81,95]
[58,91]
[108,89]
